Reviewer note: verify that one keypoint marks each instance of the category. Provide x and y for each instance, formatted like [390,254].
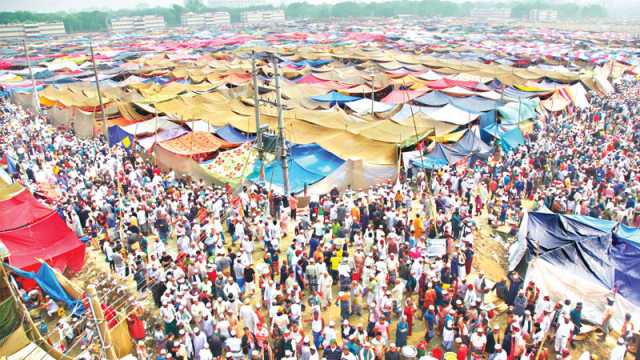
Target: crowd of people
[246,274]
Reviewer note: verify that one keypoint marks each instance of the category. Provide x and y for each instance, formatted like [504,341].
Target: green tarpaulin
[9,319]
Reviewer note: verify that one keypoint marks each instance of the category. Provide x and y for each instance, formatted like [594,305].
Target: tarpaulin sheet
[487,119]
[9,320]
[334,97]
[585,247]
[46,279]
[298,176]
[194,143]
[453,115]
[363,106]
[314,158]
[475,104]
[307,165]
[471,145]
[512,139]
[49,239]
[516,112]
[121,339]
[160,136]
[21,210]
[234,136]
[233,165]
[150,126]
[434,98]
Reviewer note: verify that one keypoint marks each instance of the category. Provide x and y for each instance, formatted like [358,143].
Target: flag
[126,141]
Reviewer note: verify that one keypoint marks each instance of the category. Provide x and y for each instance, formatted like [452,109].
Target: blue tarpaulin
[308,164]
[334,97]
[601,250]
[312,63]
[469,147]
[234,136]
[46,279]
[512,139]
[487,119]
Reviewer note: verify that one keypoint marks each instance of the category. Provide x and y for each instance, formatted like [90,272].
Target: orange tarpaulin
[194,143]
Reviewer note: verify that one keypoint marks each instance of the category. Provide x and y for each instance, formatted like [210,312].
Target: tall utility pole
[256,105]
[101,324]
[34,93]
[105,129]
[283,143]
[373,85]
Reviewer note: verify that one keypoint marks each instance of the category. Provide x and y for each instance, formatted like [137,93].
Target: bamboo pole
[103,329]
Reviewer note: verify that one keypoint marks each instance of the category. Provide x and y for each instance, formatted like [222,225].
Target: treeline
[90,21]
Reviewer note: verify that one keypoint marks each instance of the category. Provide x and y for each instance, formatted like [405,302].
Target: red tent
[31,231]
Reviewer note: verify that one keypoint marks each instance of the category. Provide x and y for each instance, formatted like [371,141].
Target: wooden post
[103,328]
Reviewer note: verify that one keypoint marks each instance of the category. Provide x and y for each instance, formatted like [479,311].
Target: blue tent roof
[334,97]
[308,164]
[475,104]
[313,63]
[433,98]
[594,248]
[512,139]
[234,136]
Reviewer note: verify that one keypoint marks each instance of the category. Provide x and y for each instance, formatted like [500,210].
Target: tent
[598,258]
[354,173]
[334,98]
[32,231]
[308,164]
[434,98]
[453,115]
[233,165]
[470,147]
[234,136]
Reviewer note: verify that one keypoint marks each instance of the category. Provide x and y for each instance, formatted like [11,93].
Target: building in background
[137,24]
[236,4]
[262,17]
[13,31]
[488,14]
[194,20]
[541,15]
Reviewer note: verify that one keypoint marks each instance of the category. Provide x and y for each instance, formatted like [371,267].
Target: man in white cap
[620,350]
[499,354]
[234,344]
[205,353]
[565,327]
[329,333]
[199,340]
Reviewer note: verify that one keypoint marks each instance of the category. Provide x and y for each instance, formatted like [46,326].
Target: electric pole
[283,143]
[34,93]
[105,129]
[256,104]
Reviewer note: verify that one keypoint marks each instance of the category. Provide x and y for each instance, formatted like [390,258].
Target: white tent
[453,115]
[355,173]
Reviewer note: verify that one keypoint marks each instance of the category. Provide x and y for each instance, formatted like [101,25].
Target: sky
[78,5]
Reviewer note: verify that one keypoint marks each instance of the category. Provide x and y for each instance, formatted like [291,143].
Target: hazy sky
[77,5]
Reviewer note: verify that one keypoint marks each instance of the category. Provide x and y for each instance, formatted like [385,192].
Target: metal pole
[36,98]
[256,105]
[95,73]
[101,323]
[283,143]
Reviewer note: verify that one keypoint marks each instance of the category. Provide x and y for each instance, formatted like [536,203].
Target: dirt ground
[491,254]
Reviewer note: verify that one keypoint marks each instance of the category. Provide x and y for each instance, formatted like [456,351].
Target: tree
[194,5]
